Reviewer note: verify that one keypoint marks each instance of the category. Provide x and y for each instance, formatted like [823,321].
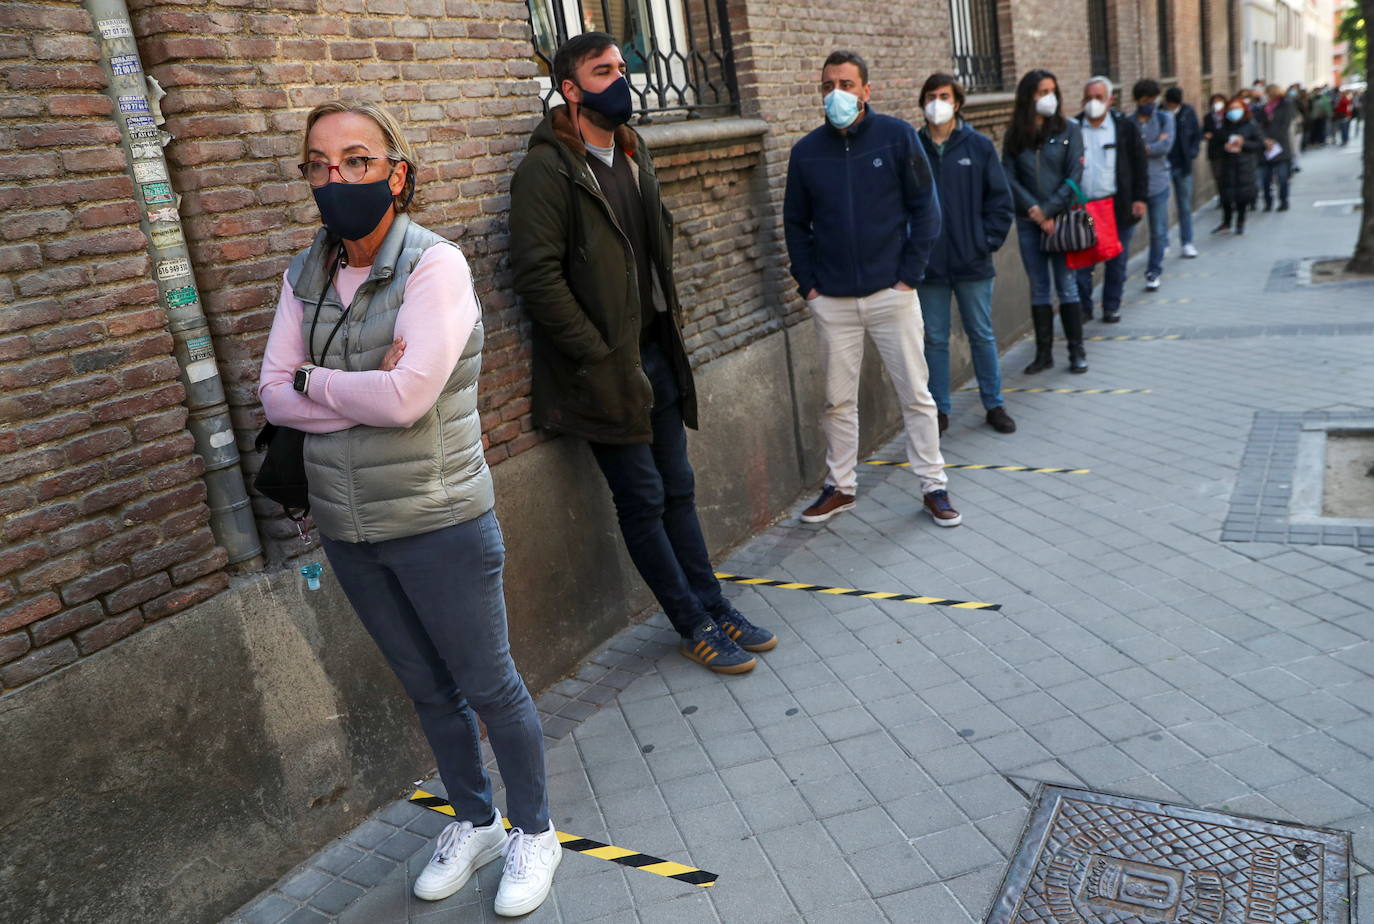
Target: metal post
[231,515]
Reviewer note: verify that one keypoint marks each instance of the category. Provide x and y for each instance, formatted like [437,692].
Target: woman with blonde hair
[375,353]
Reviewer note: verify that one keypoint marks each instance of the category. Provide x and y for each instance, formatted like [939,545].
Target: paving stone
[927,903]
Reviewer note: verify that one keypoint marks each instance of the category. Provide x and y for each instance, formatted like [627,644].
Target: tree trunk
[1363,260]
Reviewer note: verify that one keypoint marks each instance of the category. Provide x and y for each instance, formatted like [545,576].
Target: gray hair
[1105,81]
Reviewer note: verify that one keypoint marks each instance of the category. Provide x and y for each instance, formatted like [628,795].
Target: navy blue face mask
[1147,109]
[613,103]
[353,210]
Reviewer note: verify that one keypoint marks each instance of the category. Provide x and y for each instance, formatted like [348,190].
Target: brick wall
[102,514]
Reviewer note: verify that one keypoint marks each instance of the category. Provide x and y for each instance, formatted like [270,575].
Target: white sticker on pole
[150,171]
[200,371]
[222,438]
[115,28]
[173,269]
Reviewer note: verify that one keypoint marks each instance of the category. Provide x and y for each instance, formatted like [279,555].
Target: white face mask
[939,111]
[1094,108]
[1218,106]
[1047,105]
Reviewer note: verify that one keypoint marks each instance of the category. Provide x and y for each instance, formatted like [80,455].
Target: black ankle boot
[1042,316]
[1071,317]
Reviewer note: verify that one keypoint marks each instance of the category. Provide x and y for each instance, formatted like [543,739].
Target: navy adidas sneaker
[711,647]
[745,634]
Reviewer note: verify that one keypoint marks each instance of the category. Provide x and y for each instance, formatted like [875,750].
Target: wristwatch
[302,379]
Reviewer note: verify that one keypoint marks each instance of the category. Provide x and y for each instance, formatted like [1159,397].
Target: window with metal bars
[1099,44]
[1166,41]
[1232,36]
[977,44]
[1204,36]
[678,53]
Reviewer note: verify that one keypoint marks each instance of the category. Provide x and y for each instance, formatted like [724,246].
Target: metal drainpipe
[137,117]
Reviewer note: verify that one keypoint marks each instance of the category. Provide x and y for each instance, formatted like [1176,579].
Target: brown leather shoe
[941,510]
[831,502]
[943,420]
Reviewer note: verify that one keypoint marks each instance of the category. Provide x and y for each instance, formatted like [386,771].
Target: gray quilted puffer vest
[370,484]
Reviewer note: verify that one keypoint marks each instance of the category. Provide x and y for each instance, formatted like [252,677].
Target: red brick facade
[103,517]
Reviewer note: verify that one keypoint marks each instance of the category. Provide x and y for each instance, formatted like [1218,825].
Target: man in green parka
[592,250]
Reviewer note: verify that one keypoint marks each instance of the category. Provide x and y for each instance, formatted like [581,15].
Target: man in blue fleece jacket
[861,216]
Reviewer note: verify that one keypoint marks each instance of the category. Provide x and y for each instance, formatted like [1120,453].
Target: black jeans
[655,499]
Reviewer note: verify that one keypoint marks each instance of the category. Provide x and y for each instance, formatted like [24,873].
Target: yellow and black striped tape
[585,845]
[1070,391]
[851,592]
[1105,337]
[993,468]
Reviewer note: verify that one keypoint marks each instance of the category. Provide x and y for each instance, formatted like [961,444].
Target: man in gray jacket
[1276,121]
[1157,133]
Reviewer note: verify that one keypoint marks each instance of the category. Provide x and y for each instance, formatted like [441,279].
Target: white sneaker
[462,850]
[1151,283]
[1189,250]
[530,862]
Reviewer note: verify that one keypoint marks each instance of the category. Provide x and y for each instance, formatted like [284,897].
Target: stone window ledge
[700,131]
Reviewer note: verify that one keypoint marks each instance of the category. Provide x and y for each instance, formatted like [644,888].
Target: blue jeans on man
[654,490]
[1275,172]
[975,311]
[1113,277]
[1183,199]
[1158,208]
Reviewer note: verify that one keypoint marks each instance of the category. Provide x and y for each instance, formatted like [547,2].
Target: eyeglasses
[352,170]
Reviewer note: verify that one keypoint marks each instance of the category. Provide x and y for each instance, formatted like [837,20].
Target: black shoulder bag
[281,476]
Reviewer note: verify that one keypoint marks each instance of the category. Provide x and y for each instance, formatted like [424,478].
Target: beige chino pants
[893,319]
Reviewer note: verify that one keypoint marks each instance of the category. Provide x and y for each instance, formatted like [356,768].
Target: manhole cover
[1091,858]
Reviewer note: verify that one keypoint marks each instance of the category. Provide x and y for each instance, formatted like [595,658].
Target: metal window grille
[977,44]
[678,53]
[1166,43]
[1205,36]
[1099,45]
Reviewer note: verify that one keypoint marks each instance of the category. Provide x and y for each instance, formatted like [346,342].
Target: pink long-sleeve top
[435,320]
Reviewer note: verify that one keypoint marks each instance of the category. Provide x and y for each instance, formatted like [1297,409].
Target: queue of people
[376,346]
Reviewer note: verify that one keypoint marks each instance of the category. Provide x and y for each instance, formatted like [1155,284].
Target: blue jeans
[654,490]
[1043,267]
[975,311]
[1183,200]
[1275,172]
[1158,209]
[435,606]
[1113,275]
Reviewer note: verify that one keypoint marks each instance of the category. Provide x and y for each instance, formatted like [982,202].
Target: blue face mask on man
[1146,109]
[841,108]
[613,104]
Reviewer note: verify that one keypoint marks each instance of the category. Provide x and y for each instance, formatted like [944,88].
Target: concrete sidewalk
[1166,631]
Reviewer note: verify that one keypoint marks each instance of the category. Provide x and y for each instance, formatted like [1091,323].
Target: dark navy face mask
[613,103]
[353,210]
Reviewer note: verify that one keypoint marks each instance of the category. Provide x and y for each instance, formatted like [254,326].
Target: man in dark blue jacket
[861,216]
[1187,144]
[976,211]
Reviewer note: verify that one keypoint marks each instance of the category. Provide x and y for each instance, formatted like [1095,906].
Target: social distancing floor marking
[1105,337]
[851,592]
[1070,391]
[992,468]
[588,847]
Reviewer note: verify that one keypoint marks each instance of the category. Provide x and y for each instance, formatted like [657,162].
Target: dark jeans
[1275,172]
[1113,275]
[435,606]
[655,498]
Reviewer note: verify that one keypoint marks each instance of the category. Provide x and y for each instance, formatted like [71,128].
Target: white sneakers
[1189,250]
[1151,283]
[530,862]
[463,849]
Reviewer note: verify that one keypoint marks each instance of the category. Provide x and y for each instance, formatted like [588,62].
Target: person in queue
[1187,145]
[375,352]
[860,216]
[1275,122]
[1214,132]
[1242,147]
[1157,134]
[1114,168]
[1041,153]
[592,249]
[976,214]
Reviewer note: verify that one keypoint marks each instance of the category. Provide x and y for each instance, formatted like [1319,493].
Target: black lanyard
[343,316]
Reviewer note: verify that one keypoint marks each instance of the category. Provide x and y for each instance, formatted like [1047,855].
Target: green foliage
[1354,31]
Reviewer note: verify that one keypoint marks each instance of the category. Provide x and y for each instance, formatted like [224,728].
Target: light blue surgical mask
[841,108]
[1235,115]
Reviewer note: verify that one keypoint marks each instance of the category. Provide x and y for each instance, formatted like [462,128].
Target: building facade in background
[122,621]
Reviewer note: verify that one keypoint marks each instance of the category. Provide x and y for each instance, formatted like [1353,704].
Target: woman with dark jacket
[1041,154]
[1242,143]
[1214,133]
